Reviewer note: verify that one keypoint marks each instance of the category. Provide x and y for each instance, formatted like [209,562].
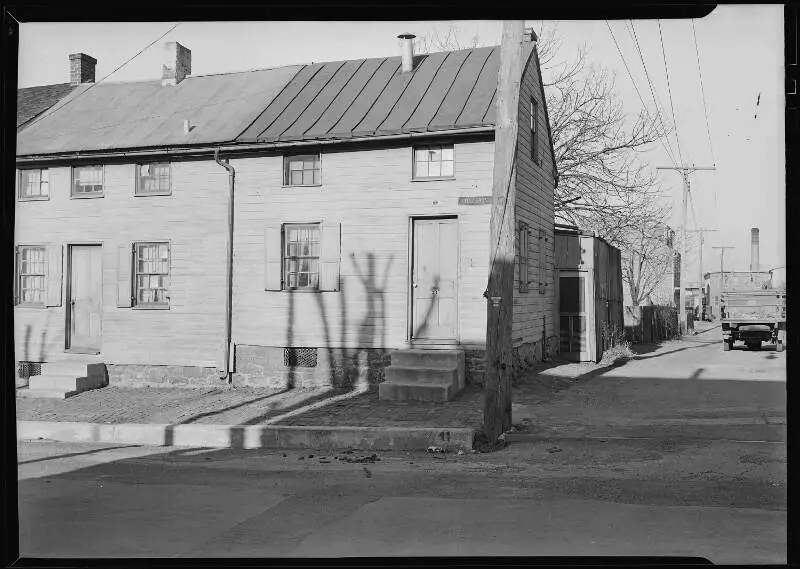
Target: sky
[740,50]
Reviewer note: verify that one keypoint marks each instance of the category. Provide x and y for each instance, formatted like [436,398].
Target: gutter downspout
[229,268]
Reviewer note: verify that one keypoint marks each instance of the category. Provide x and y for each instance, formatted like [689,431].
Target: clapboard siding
[370,192]
[534,313]
[193,218]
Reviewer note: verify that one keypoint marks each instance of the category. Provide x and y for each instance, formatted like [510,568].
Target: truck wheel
[726,345]
[779,346]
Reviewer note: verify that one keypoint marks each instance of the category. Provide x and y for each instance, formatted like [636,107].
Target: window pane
[297,178]
[295,164]
[447,168]
[447,153]
[317,177]
[435,169]
[308,177]
[422,170]
[435,154]
[421,155]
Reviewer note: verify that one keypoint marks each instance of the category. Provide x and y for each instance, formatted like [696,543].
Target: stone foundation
[163,376]
[263,366]
[523,357]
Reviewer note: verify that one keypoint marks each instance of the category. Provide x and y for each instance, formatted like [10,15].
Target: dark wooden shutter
[523,258]
[53,280]
[330,256]
[124,270]
[542,274]
[273,257]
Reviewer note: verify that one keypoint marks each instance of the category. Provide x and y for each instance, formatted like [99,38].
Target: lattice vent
[300,357]
[29,369]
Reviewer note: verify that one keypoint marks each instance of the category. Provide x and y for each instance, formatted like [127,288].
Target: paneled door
[84,313]
[434,279]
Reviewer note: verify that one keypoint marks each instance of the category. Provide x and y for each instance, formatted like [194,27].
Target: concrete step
[65,382]
[428,358]
[45,393]
[416,375]
[415,392]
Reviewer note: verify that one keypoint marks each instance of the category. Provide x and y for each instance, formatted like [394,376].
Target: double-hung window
[434,161]
[302,170]
[301,252]
[151,267]
[153,179]
[34,184]
[87,181]
[31,274]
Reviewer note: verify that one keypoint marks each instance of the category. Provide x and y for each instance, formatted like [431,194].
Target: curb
[251,436]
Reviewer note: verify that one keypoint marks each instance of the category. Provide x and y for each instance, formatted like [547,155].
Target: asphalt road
[650,458]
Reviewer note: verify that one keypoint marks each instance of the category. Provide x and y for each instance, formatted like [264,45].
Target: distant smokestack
[407,52]
[754,250]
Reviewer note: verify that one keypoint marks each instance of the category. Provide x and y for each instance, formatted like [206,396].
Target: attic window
[534,131]
[153,179]
[87,181]
[34,184]
[302,170]
[434,161]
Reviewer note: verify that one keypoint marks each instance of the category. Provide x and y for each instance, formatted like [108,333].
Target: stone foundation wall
[265,366]
[163,376]
[523,357]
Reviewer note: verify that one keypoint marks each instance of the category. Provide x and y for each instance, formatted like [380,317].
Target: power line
[649,81]
[93,85]
[669,90]
[625,63]
[703,91]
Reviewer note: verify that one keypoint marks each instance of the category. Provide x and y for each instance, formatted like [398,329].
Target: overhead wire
[632,31]
[669,91]
[703,92]
[67,101]
[630,75]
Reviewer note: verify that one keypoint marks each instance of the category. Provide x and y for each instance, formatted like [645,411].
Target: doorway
[434,280]
[84,306]
[572,316]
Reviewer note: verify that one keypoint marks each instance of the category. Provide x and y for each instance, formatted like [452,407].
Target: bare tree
[603,184]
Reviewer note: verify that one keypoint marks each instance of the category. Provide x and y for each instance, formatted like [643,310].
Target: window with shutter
[31,275]
[534,131]
[523,257]
[542,276]
[124,266]
[151,269]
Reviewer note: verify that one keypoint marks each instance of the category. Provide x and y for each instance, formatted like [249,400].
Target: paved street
[651,458]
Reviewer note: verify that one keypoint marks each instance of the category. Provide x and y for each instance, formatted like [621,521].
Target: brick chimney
[177,63]
[754,250]
[81,68]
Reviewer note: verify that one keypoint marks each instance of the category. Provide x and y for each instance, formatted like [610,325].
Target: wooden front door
[85,298]
[573,316]
[434,280]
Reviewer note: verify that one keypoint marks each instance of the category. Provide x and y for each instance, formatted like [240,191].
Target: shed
[588,276]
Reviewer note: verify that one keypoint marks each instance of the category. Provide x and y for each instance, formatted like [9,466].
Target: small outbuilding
[588,277]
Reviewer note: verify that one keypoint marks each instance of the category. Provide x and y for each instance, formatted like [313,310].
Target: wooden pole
[499,293]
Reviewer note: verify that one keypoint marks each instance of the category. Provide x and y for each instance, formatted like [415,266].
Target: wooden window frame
[135,274]
[20,187]
[285,257]
[138,190]
[18,276]
[441,146]
[91,195]
[534,130]
[287,160]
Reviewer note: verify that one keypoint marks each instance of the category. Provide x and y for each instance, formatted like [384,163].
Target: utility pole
[500,290]
[701,231]
[684,171]
[722,263]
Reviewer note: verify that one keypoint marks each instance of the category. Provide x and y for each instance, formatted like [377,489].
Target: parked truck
[753,317]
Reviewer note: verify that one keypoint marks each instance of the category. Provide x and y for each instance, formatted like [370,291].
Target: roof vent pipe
[186,127]
[407,53]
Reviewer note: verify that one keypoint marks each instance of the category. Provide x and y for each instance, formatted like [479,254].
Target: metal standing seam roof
[122,115]
[373,97]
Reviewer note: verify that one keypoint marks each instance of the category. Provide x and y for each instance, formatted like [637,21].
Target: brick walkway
[251,406]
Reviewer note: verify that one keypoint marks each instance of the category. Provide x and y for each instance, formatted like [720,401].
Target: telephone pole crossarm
[684,170]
